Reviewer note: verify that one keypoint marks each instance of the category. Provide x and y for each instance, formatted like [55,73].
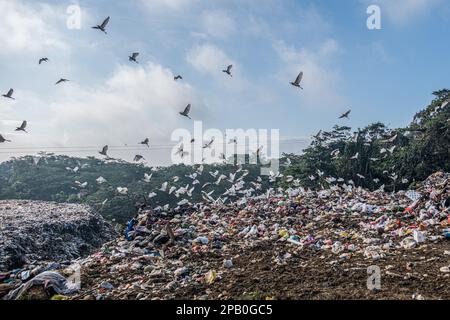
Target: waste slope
[38,231]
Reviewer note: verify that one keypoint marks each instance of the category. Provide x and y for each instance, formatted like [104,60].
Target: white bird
[164,186]
[152,195]
[391,149]
[345,114]
[208,144]
[289,178]
[104,151]
[9,94]
[214,174]
[193,176]
[356,156]
[146,142]
[228,70]
[100,180]
[175,179]
[393,176]
[138,158]
[186,111]
[122,191]
[288,163]
[320,173]
[206,184]
[335,153]
[298,80]
[102,27]
[330,180]
[183,202]
[390,140]
[81,185]
[181,152]
[172,189]
[221,177]
[22,127]
[360,176]
[376,180]
[312,178]
[133,57]
[61,81]
[147,177]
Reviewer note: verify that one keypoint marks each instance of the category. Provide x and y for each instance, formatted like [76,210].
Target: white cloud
[218,23]
[134,103]
[208,58]
[25,28]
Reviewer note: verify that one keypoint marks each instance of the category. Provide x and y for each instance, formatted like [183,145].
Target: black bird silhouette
[178,77]
[102,27]
[22,127]
[138,158]
[345,115]
[104,151]
[133,57]
[186,111]
[9,94]
[43,60]
[298,81]
[61,80]
[228,70]
[3,139]
[146,142]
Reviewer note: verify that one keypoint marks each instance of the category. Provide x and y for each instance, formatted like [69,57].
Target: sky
[381,75]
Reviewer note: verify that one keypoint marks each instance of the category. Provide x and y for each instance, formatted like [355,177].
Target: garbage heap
[36,231]
[294,243]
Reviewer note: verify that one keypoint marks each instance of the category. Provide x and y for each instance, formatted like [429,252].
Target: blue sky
[382,75]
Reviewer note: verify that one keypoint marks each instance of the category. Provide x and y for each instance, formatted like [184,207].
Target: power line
[74,149]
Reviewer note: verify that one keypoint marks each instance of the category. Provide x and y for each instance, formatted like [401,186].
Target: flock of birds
[237,184]
[134,58]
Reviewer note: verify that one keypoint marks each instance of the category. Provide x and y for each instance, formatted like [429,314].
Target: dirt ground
[406,274]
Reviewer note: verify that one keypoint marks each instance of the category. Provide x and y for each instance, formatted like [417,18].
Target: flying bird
[133,57]
[178,77]
[22,126]
[43,60]
[186,111]
[228,70]
[181,152]
[3,139]
[298,81]
[138,158]
[102,27]
[61,81]
[208,144]
[146,142]
[104,151]
[345,115]
[9,94]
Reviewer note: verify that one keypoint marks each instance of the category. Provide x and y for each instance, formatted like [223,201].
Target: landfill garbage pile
[290,244]
[36,231]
